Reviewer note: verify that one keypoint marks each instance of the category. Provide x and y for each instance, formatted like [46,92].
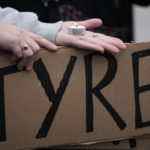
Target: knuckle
[36,49]
[14,42]
[39,38]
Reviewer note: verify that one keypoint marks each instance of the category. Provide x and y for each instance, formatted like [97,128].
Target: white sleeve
[29,21]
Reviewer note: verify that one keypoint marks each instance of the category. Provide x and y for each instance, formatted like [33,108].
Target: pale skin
[90,40]
[12,39]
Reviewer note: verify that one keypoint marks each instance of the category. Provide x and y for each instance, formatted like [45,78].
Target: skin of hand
[13,38]
[90,40]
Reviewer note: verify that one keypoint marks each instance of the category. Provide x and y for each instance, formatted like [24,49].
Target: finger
[91,23]
[29,53]
[83,44]
[43,42]
[29,66]
[35,49]
[46,44]
[32,44]
[17,54]
[112,40]
[105,45]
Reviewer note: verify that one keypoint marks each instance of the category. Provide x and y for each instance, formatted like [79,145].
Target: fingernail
[29,68]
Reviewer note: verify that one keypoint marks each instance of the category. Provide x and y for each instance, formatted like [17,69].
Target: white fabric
[29,21]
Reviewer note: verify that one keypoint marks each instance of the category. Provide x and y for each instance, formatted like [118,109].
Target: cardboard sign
[75,96]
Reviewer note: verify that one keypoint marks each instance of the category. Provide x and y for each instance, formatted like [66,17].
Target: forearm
[29,21]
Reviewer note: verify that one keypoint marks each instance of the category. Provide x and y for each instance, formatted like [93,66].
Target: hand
[13,39]
[90,40]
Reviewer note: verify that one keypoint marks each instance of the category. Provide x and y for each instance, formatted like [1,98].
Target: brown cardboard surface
[27,102]
[134,143]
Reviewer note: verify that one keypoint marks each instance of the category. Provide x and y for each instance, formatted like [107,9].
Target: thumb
[91,23]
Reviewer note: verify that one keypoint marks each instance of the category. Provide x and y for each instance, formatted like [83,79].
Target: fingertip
[102,50]
[121,44]
[29,67]
[96,20]
[53,47]
[124,46]
[92,23]
[100,21]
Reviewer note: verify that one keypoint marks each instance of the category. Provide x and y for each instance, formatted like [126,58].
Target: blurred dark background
[116,14]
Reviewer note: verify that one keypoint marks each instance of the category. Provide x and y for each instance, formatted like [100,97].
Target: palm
[90,40]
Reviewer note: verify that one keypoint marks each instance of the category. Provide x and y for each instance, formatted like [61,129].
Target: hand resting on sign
[13,38]
[90,40]
[24,45]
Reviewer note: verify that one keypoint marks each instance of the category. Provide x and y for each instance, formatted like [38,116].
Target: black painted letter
[137,90]
[109,76]
[55,98]
[3,72]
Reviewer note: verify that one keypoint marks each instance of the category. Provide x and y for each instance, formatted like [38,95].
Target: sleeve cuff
[49,30]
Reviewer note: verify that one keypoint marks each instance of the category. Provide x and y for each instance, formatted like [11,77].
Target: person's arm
[23,22]
[57,32]
[29,21]
[22,44]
